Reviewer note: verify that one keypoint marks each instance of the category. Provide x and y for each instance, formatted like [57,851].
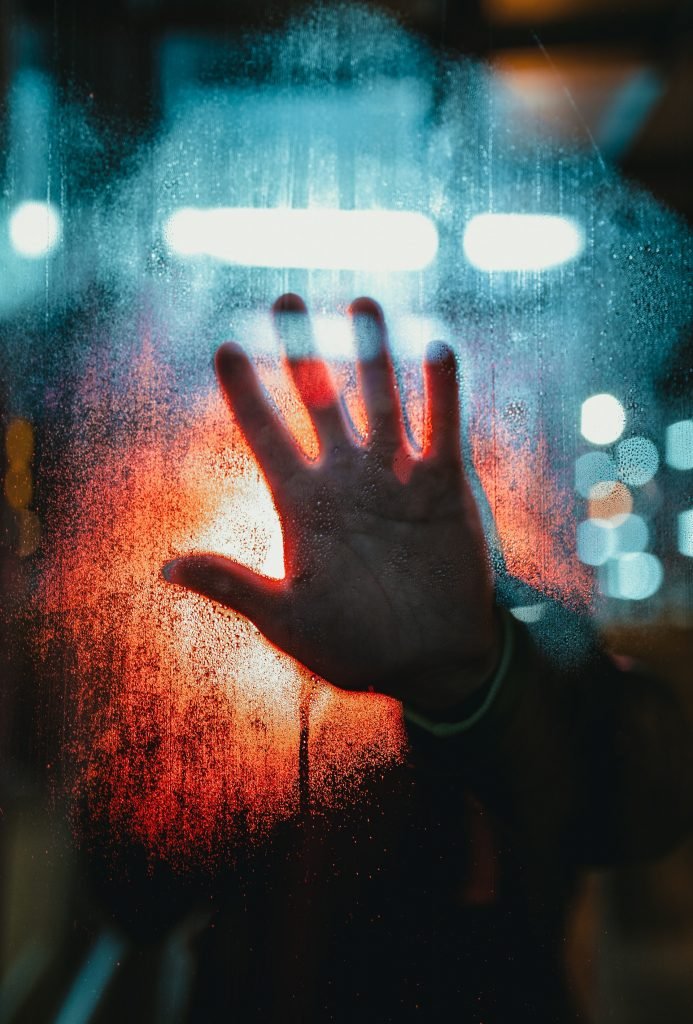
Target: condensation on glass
[331,170]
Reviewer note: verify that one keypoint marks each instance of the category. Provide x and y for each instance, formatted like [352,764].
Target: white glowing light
[261,546]
[379,240]
[413,333]
[35,229]
[679,445]
[638,460]
[633,577]
[596,541]
[334,338]
[521,241]
[602,419]
[333,335]
[685,531]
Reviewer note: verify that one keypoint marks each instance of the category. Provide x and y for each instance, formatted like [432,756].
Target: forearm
[591,765]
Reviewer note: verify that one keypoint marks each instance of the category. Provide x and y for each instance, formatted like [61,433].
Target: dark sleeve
[585,763]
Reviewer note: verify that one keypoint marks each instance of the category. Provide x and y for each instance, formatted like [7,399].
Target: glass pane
[231,831]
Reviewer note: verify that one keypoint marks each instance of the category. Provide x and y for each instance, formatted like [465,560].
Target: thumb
[231,584]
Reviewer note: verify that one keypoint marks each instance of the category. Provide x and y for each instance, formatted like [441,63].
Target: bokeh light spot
[594,468]
[35,229]
[18,488]
[595,541]
[679,445]
[633,577]
[19,442]
[637,459]
[602,419]
[616,501]
[529,612]
[685,532]
[630,534]
[29,533]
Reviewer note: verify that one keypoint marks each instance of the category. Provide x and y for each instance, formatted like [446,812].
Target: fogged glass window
[339,157]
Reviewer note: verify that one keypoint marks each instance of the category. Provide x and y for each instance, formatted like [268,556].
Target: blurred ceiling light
[679,445]
[602,419]
[35,229]
[521,241]
[378,240]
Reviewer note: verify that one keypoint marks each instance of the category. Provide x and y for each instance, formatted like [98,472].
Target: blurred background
[611,76]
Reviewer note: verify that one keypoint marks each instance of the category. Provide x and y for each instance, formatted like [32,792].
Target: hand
[387,585]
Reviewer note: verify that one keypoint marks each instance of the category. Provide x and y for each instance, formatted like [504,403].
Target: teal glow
[631,534]
[679,445]
[685,533]
[633,577]
[638,461]
[596,541]
[594,468]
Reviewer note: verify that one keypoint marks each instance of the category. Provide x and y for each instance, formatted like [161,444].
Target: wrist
[455,692]
[453,719]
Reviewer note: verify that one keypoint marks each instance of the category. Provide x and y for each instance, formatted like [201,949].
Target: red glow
[532,515]
[183,716]
[314,382]
[182,721]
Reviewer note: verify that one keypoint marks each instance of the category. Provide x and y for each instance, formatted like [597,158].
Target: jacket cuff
[490,689]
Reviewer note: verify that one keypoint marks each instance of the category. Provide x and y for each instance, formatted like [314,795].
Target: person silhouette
[541,767]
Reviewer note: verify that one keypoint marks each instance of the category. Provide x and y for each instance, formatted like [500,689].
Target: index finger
[270,441]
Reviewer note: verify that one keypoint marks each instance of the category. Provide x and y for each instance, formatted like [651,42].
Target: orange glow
[184,720]
[18,487]
[182,723]
[19,442]
[615,500]
[532,515]
[29,529]
[533,11]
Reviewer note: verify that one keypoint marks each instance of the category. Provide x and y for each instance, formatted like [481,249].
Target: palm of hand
[387,583]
